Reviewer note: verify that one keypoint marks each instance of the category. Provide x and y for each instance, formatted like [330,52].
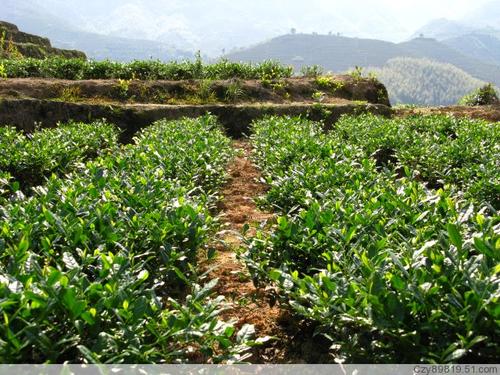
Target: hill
[487,15]
[485,47]
[442,29]
[339,53]
[440,52]
[15,42]
[477,40]
[424,82]
[225,24]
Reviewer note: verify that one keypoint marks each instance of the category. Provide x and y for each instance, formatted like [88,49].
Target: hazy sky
[216,25]
[420,10]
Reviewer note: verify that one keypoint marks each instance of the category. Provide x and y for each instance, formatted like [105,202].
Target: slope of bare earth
[487,112]
[336,89]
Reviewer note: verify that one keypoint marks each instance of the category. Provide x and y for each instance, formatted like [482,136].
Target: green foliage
[387,269]
[76,69]
[356,73]
[234,91]
[31,158]
[312,71]
[3,73]
[484,95]
[93,266]
[123,87]
[439,150]
[2,41]
[70,94]
[8,48]
[205,92]
[329,83]
[318,96]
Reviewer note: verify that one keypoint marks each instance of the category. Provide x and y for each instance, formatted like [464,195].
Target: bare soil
[249,305]
[487,112]
[291,90]
[293,340]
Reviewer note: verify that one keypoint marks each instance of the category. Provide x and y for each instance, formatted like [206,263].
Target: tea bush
[100,267]
[386,268]
[77,69]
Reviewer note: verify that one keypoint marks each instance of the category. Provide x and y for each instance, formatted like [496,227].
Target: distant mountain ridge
[485,47]
[338,53]
[477,35]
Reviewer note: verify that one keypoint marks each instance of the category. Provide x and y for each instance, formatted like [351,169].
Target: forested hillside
[424,82]
[337,53]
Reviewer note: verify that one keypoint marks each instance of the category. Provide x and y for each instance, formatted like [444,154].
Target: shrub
[75,69]
[312,71]
[485,95]
[101,266]
[385,268]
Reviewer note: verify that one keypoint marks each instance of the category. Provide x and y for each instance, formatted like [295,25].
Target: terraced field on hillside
[237,214]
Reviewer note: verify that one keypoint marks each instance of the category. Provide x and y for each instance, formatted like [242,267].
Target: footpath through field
[249,305]
[293,341]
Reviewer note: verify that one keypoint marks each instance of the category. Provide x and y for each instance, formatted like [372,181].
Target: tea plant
[99,267]
[438,150]
[77,69]
[31,158]
[388,270]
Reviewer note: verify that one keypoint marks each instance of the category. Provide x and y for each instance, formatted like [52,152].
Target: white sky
[211,25]
[413,13]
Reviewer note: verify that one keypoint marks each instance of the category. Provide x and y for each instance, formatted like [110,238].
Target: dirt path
[294,341]
[249,305]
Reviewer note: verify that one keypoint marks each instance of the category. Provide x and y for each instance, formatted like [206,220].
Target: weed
[70,94]
[3,72]
[318,96]
[372,76]
[2,41]
[205,92]
[234,91]
[12,50]
[311,71]
[382,95]
[329,83]
[123,87]
[357,73]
